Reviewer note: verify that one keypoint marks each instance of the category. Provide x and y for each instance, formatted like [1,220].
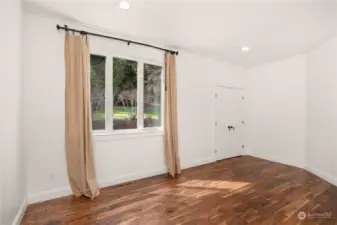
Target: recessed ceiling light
[245,48]
[124,5]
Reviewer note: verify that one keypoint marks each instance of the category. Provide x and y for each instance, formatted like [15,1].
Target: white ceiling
[274,29]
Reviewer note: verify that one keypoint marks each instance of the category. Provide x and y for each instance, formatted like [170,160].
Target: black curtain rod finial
[58,27]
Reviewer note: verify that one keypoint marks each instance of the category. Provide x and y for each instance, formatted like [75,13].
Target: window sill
[122,134]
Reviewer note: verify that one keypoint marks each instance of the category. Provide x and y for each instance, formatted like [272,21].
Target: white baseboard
[21,213]
[50,194]
[130,177]
[278,160]
[198,163]
[66,191]
[325,176]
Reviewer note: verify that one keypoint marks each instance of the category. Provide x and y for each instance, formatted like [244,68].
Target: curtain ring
[66,29]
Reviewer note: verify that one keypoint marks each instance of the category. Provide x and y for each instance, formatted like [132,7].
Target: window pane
[97,81]
[152,95]
[124,94]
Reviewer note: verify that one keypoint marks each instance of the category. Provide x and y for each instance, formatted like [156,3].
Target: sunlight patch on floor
[184,192]
[217,184]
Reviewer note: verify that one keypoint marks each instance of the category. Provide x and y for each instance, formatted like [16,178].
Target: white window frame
[140,97]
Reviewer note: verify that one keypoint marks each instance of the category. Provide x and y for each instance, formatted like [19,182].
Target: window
[125,94]
[152,95]
[97,81]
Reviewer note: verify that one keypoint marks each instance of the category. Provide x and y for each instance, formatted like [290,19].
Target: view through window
[124,94]
[97,81]
[152,95]
[122,111]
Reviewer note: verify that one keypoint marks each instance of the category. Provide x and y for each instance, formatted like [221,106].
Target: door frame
[214,116]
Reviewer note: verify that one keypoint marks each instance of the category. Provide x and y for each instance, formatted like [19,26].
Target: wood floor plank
[238,191]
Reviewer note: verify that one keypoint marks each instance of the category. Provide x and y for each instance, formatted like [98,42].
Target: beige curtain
[79,151]
[170,119]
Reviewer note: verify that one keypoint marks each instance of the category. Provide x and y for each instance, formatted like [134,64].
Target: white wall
[322,111]
[276,111]
[12,179]
[292,108]
[118,158]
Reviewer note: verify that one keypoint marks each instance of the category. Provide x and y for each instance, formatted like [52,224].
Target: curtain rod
[66,28]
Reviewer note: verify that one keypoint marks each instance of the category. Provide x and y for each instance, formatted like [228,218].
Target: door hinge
[216,123]
[216,95]
[243,98]
[215,151]
[243,122]
[243,146]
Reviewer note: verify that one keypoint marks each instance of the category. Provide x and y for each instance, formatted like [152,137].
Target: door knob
[230,127]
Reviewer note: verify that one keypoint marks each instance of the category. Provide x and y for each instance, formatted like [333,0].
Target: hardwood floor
[243,190]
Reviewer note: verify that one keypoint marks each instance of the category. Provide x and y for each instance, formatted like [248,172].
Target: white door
[228,122]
